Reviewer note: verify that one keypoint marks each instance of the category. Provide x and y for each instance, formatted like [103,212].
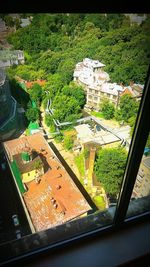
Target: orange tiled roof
[126,91]
[30,84]
[55,199]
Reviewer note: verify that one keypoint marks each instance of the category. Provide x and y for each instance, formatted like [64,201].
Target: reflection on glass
[140,200]
[71,100]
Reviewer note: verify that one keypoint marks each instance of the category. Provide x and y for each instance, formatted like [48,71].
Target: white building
[90,73]
[136,19]
[9,58]
[95,95]
[97,135]
[25,22]
[94,79]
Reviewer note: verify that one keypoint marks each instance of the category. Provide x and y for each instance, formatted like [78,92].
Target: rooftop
[92,63]
[135,90]
[111,88]
[98,135]
[28,166]
[56,199]
[25,22]
[30,84]
[85,72]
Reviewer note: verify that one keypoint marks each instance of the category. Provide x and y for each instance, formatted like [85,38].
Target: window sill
[127,246]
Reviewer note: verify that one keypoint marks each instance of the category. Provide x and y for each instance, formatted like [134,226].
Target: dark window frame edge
[139,139]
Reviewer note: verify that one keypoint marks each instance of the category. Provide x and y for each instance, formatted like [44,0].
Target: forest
[54,43]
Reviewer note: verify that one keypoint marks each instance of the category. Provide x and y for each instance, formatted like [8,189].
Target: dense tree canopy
[32,113]
[36,93]
[128,108]
[56,42]
[67,102]
[109,168]
[107,109]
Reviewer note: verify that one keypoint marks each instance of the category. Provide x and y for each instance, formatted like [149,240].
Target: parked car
[15,219]
[18,234]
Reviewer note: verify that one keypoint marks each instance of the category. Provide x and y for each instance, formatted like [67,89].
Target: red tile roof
[56,199]
[30,84]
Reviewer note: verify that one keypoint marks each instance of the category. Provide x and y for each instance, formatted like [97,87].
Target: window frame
[139,138]
[138,142]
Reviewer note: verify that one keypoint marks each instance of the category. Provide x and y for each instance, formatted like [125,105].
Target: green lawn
[97,114]
[79,161]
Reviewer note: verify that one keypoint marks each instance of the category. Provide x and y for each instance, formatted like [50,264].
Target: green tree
[49,120]
[36,93]
[56,42]
[68,142]
[66,69]
[131,122]
[107,109]
[38,164]
[32,113]
[118,115]
[75,91]
[54,85]
[66,108]
[128,107]
[9,21]
[109,168]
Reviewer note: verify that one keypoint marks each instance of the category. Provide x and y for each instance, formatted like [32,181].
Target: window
[141,191]
[94,222]
[102,210]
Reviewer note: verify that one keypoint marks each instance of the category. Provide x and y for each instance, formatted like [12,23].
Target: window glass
[63,157]
[139,202]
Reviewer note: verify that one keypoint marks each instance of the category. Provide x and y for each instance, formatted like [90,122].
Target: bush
[107,109]
[68,142]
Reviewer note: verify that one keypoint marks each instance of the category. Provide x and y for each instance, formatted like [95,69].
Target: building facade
[9,58]
[95,81]
[11,117]
[142,184]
